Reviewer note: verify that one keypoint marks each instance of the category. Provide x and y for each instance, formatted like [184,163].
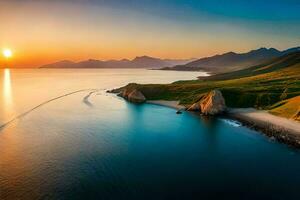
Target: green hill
[261,86]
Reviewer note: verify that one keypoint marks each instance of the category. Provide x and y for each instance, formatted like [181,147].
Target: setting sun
[7,53]
[149,99]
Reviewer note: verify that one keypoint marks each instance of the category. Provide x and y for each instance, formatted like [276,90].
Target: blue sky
[254,9]
[267,16]
[115,29]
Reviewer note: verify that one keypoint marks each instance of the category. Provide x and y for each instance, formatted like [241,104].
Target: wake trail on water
[46,102]
[86,99]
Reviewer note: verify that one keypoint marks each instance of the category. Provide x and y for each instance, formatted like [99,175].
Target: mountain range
[232,61]
[138,62]
[217,64]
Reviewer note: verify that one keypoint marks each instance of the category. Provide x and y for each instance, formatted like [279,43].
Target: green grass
[260,86]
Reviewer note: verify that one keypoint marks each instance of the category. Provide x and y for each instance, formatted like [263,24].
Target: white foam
[232,122]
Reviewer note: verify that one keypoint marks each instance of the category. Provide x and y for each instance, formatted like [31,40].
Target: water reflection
[7,92]
[118,150]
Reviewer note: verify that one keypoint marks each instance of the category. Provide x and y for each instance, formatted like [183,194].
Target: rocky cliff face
[212,103]
[297,116]
[134,96]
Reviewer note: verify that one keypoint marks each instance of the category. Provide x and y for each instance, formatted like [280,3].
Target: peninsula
[271,88]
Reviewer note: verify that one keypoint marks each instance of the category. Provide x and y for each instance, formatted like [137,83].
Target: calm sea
[63,137]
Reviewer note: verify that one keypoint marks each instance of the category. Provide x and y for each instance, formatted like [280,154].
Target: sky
[45,31]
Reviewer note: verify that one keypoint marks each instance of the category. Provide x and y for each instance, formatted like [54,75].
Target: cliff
[213,103]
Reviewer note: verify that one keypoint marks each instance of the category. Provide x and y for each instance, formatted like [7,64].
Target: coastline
[259,117]
[170,104]
[283,130]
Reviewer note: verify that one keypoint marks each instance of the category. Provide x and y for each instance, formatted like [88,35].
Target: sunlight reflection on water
[7,93]
[98,146]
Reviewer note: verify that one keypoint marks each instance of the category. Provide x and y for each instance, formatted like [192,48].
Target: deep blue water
[111,149]
[144,152]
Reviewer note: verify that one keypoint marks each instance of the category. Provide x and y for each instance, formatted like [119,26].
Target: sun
[7,53]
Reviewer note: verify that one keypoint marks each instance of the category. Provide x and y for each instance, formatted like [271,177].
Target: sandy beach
[261,118]
[170,104]
[282,129]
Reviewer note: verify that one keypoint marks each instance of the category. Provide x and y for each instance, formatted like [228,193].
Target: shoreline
[170,104]
[283,130]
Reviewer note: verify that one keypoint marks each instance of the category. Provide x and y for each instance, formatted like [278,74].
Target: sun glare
[7,53]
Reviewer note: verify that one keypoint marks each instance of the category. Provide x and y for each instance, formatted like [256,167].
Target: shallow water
[93,145]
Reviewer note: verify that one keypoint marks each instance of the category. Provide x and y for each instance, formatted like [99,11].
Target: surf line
[42,104]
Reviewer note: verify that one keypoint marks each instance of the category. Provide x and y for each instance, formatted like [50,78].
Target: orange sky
[45,32]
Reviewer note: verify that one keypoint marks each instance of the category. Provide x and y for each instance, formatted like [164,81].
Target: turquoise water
[97,146]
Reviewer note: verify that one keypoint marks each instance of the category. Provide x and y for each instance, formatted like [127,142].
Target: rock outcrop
[195,107]
[134,96]
[297,116]
[212,103]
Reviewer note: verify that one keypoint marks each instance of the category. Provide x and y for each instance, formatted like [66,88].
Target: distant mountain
[61,64]
[138,62]
[232,61]
[283,67]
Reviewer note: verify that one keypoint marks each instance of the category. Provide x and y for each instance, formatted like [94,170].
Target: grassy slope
[270,66]
[287,108]
[259,86]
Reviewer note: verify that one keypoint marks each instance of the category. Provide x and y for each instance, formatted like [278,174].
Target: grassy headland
[270,86]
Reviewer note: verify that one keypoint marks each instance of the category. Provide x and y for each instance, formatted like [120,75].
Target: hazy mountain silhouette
[286,66]
[138,62]
[232,61]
